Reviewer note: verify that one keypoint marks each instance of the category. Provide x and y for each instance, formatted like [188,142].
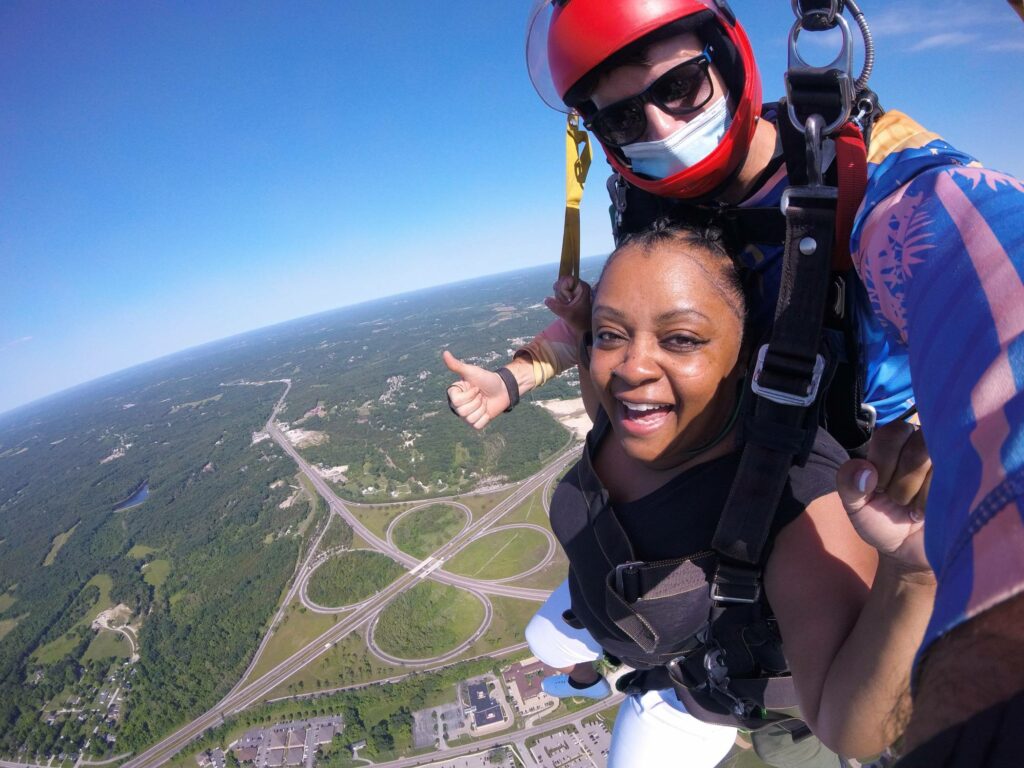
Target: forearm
[522,368]
[553,350]
[975,666]
[869,679]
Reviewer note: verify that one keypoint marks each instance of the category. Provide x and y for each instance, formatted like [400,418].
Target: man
[939,247]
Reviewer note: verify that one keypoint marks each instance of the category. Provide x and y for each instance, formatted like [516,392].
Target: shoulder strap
[786,380]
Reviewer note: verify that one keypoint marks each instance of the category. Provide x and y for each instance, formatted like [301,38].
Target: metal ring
[835,9]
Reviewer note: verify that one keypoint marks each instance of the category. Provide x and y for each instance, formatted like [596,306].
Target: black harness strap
[787,379]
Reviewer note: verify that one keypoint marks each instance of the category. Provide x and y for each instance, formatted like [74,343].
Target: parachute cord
[578,155]
[869,45]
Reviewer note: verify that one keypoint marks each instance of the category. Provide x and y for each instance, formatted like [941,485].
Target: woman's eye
[606,338]
[681,341]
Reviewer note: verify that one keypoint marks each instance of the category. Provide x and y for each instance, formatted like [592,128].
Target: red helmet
[584,33]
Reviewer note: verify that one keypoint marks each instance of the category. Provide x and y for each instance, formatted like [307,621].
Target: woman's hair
[701,238]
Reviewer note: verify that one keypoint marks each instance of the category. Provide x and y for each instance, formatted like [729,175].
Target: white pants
[650,730]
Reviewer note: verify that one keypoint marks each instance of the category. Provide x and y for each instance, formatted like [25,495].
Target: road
[246,694]
[508,737]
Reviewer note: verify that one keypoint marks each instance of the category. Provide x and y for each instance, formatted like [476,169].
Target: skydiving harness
[792,372]
[790,375]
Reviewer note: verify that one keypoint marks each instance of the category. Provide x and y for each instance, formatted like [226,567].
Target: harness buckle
[868,416]
[814,193]
[787,398]
[627,580]
[736,585]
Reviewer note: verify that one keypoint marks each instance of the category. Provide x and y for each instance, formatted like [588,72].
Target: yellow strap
[578,155]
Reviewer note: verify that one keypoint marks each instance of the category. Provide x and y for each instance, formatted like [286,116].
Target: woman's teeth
[640,410]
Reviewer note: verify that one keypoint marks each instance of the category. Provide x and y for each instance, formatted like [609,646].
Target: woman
[668,367]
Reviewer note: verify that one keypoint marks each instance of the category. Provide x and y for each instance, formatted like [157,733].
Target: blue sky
[174,173]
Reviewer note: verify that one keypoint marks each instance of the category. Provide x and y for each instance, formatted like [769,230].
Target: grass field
[565,707]
[314,500]
[61,646]
[500,554]
[339,534]
[297,629]
[351,577]
[6,601]
[155,572]
[424,531]
[378,518]
[550,576]
[139,551]
[358,542]
[6,625]
[530,511]
[481,503]
[428,620]
[107,644]
[510,619]
[55,546]
[348,663]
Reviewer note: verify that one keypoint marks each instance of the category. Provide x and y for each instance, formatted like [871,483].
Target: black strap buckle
[798,398]
[627,580]
[736,584]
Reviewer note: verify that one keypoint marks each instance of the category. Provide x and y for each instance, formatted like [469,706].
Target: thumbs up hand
[478,396]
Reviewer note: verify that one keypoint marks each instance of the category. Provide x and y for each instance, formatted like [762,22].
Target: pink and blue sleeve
[553,350]
[942,257]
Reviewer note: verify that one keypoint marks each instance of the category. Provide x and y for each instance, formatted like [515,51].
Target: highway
[245,694]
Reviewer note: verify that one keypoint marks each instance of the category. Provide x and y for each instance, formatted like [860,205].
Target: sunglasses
[682,90]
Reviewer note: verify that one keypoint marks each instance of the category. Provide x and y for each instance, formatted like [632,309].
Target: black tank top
[670,530]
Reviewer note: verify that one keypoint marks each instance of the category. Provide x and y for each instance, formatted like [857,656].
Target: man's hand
[478,396]
[571,302]
[885,495]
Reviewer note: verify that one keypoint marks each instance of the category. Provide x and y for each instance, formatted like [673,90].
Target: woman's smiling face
[667,340]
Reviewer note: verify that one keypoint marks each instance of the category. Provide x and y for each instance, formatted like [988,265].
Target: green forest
[203,561]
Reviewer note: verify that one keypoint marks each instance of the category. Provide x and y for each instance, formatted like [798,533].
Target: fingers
[899,453]
[856,481]
[468,403]
[564,288]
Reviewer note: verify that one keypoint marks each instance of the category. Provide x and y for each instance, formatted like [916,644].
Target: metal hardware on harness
[835,8]
[867,103]
[836,76]
[815,188]
[868,415]
[735,585]
[718,680]
[787,398]
[628,590]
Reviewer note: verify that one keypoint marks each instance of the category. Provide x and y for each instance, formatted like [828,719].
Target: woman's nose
[638,365]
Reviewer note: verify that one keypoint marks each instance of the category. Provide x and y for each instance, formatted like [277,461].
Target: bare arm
[480,395]
[851,621]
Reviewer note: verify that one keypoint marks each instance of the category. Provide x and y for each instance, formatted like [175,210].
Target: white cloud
[1004,46]
[939,24]
[944,40]
[14,342]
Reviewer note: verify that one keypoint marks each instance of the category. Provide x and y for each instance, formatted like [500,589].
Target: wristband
[511,386]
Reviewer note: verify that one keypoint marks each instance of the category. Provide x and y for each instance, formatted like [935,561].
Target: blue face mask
[686,147]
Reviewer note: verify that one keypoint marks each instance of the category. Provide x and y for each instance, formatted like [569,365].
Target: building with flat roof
[484,709]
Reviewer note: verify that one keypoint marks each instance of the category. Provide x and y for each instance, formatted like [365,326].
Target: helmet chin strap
[578,156]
